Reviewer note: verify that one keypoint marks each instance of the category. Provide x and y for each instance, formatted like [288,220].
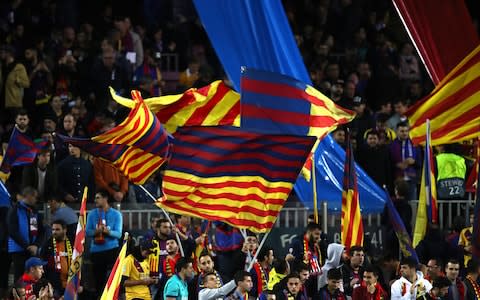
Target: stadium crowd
[58,59]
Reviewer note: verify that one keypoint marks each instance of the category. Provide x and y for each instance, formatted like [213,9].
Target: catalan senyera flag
[404,239]
[427,210]
[137,147]
[212,105]
[351,224]
[452,108]
[278,104]
[74,272]
[112,288]
[224,173]
[21,150]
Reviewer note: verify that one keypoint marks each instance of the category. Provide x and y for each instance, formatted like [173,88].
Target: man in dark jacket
[41,175]
[375,160]
[25,229]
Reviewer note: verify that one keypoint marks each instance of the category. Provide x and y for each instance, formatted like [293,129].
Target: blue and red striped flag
[277,104]
[137,147]
[21,150]
[404,240]
[225,174]
[352,225]
[74,272]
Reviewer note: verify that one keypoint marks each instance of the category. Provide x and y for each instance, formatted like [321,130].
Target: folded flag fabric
[404,239]
[140,129]
[136,164]
[214,104]
[352,225]
[21,150]
[223,173]
[137,147]
[112,288]
[74,272]
[278,104]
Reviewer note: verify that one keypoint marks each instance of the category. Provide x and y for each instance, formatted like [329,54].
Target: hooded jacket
[334,257]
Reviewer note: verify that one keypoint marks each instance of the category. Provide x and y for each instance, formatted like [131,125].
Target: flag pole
[168,218]
[264,238]
[314,186]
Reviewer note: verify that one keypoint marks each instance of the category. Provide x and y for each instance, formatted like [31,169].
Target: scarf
[169,265]
[261,277]
[475,286]
[57,255]
[310,258]
[102,220]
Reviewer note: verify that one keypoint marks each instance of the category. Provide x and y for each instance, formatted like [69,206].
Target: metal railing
[137,217]
[170,62]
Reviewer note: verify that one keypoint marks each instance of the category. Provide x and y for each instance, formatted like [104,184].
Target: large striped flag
[404,240]
[278,104]
[74,272]
[452,108]
[225,174]
[352,225]
[427,211]
[21,150]
[112,287]
[214,104]
[137,147]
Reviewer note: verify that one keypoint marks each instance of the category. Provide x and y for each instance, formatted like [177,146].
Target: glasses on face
[453,269]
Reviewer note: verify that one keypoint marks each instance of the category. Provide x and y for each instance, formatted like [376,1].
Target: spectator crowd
[57,60]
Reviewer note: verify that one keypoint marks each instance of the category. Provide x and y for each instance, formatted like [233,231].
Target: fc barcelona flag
[137,147]
[223,173]
[352,225]
[21,150]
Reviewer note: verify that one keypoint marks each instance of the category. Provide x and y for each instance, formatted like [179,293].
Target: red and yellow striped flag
[112,288]
[453,107]
[352,225]
[214,104]
[223,173]
[137,147]
[74,271]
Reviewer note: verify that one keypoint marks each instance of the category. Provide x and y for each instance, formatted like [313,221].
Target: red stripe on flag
[449,102]
[227,183]
[200,114]
[231,115]
[235,222]
[166,113]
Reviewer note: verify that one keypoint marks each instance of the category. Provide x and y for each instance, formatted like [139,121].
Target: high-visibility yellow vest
[450,165]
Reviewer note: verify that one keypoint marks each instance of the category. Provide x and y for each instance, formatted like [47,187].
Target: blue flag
[4,196]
